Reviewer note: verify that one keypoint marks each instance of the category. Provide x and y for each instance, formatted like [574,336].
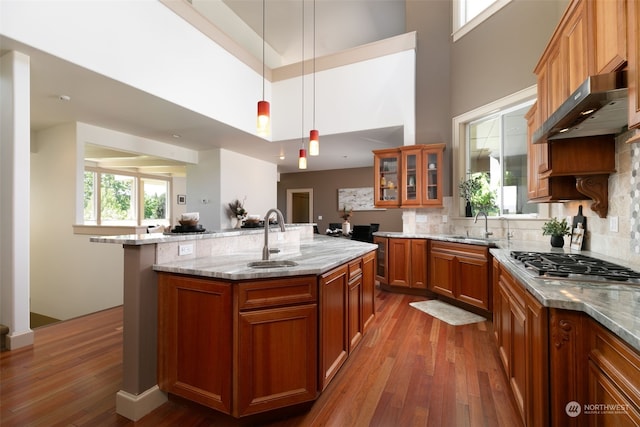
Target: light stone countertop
[316,256]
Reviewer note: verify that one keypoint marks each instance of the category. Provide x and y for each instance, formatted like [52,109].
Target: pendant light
[314,135]
[302,156]
[264,110]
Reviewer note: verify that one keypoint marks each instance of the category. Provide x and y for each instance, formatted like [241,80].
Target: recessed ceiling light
[176,136]
[65,98]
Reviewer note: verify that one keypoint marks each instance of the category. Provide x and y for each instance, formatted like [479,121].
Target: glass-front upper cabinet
[386,166]
[408,176]
[432,164]
[411,194]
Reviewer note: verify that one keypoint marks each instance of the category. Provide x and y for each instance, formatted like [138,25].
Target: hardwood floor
[410,370]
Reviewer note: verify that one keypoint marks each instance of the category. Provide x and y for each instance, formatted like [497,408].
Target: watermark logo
[573,409]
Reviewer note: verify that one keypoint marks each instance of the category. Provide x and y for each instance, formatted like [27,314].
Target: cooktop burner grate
[560,265]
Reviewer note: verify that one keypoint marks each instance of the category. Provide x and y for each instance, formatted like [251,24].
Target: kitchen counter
[315,257]
[616,306]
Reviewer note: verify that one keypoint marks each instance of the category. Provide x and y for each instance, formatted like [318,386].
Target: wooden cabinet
[354,300]
[275,364]
[334,334]
[277,341]
[408,176]
[368,289]
[633,65]
[591,38]
[461,271]
[614,378]
[407,263]
[382,258]
[387,173]
[521,331]
[194,342]
[609,34]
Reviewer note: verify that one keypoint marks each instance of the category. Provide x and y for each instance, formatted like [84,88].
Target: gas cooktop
[574,267]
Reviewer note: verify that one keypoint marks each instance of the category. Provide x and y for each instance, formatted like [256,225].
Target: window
[492,150]
[119,201]
[468,14]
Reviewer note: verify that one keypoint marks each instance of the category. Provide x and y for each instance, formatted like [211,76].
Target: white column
[14,197]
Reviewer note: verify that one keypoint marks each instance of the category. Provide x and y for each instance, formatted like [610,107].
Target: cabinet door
[382,259]
[277,366]
[537,362]
[518,369]
[603,391]
[574,49]
[189,365]
[432,163]
[441,273]
[418,268]
[334,345]
[473,286]
[399,258]
[633,49]
[387,175]
[368,289]
[355,312]
[609,26]
[411,194]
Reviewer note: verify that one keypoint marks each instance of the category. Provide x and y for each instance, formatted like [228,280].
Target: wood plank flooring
[410,370]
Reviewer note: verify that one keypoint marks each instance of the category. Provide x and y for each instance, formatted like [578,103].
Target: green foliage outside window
[155,206]
[115,197]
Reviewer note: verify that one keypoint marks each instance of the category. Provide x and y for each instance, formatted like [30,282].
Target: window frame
[459,144]
[460,29]
[137,197]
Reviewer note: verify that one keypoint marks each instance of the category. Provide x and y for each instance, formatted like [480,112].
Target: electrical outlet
[185,249]
[445,219]
[319,217]
[613,224]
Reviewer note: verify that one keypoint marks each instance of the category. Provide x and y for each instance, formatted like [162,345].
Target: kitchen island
[328,272]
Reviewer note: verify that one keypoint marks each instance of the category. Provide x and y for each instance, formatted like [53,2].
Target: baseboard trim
[14,341]
[134,406]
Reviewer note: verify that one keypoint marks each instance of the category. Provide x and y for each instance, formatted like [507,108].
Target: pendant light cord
[263,43]
[302,75]
[314,64]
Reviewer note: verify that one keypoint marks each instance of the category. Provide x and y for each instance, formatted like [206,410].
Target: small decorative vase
[467,210]
[346,228]
[238,222]
[557,241]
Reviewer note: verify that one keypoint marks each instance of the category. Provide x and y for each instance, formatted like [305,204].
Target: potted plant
[468,188]
[557,230]
[345,215]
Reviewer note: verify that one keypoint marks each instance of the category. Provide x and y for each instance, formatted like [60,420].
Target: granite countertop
[316,256]
[153,238]
[614,305]
[471,240]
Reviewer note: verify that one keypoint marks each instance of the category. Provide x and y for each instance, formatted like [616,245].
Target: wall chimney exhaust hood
[598,107]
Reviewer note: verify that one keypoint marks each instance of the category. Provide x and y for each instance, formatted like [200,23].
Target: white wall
[222,176]
[371,94]
[70,276]
[143,44]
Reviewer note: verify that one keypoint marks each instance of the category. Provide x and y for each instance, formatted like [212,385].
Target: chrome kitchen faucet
[265,249]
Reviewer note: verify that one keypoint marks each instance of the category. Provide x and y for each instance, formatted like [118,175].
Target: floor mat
[446,312]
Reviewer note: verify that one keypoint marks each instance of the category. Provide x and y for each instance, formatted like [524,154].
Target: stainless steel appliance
[553,265]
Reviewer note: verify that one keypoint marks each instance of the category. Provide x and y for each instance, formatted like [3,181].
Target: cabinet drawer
[462,249]
[617,360]
[355,268]
[277,292]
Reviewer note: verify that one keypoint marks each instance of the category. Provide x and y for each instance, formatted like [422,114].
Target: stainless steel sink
[275,263]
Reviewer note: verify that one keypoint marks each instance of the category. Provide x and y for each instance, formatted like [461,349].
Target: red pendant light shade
[314,143]
[302,159]
[264,118]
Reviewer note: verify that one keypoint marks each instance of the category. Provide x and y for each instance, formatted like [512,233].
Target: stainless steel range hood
[598,107]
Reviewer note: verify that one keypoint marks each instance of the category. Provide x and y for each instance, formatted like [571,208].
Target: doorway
[299,205]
